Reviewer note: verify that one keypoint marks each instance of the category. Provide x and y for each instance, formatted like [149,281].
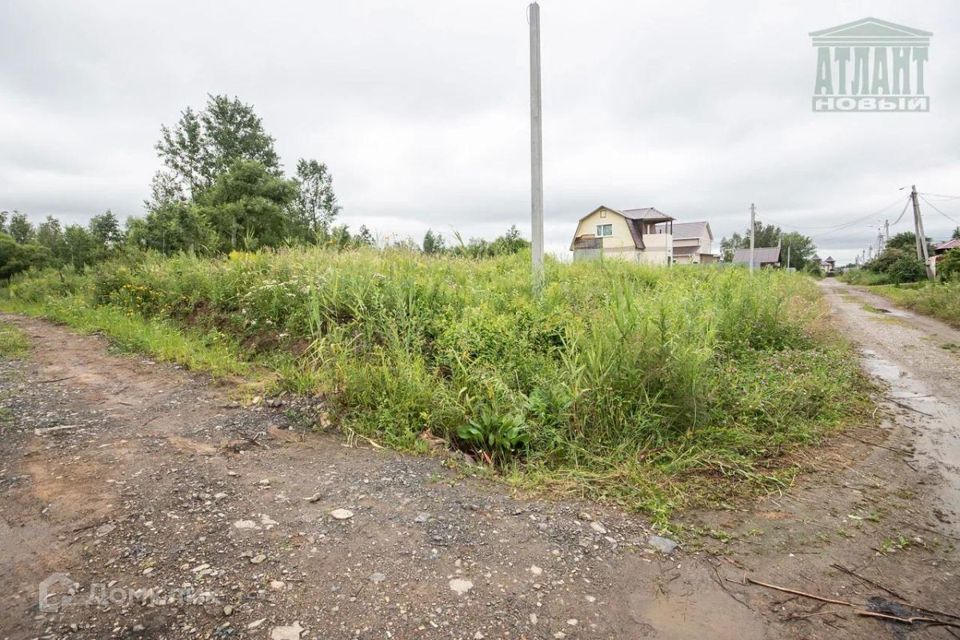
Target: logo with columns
[871,65]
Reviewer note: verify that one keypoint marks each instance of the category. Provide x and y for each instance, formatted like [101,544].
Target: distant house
[940,251]
[943,247]
[828,265]
[762,256]
[692,243]
[636,235]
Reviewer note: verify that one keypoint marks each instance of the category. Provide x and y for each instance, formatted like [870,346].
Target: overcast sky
[420,109]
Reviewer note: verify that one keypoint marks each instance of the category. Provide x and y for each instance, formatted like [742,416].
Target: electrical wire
[853,223]
[900,217]
[937,209]
[842,226]
[940,195]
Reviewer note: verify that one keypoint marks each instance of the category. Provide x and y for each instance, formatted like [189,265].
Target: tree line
[221,187]
[898,262]
[799,248]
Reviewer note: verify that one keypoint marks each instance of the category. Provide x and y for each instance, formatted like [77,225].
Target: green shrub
[906,269]
[617,374]
[948,267]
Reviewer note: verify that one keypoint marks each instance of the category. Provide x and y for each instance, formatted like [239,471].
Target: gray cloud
[420,109]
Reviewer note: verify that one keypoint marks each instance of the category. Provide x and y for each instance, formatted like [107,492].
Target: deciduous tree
[21,230]
[203,145]
[316,205]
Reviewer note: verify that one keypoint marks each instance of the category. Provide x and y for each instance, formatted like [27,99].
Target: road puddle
[935,423]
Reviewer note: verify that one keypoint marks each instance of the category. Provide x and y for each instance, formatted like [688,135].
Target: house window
[604,230]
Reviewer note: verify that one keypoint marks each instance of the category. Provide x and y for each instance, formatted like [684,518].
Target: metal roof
[688,230]
[761,255]
[647,214]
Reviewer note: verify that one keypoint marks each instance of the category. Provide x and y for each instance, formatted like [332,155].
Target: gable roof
[689,230]
[870,32]
[761,255]
[949,244]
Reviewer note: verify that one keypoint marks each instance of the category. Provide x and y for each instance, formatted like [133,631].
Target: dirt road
[162,509]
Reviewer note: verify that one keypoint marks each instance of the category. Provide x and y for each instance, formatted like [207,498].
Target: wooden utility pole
[753,232]
[922,254]
[536,150]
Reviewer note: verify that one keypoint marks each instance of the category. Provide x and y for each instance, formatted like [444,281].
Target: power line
[845,225]
[940,195]
[937,209]
[900,217]
[852,223]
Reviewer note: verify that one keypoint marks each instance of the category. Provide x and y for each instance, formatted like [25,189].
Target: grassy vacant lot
[640,385]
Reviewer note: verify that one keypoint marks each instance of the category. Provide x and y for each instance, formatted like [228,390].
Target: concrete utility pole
[536,150]
[753,232]
[886,232]
[921,236]
[788,257]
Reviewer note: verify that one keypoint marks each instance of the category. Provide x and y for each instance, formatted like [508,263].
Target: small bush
[948,268]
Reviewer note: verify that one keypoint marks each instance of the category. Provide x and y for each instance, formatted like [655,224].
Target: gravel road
[143,502]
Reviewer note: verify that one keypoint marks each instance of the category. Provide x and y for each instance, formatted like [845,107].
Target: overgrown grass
[864,277]
[211,352]
[13,342]
[940,300]
[639,385]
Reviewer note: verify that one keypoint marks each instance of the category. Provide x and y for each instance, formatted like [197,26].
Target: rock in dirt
[461,586]
[52,430]
[289,632]
[599,528]
[105,529]
[377,577]
[341,514]
[663,545]
[314,498]
[257,559]
[267,521]
[246,524]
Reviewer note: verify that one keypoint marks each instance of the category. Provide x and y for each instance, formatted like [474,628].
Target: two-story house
[637,235]
[693,243]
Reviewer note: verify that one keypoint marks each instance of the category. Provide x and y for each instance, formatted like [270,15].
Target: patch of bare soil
[164,510]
